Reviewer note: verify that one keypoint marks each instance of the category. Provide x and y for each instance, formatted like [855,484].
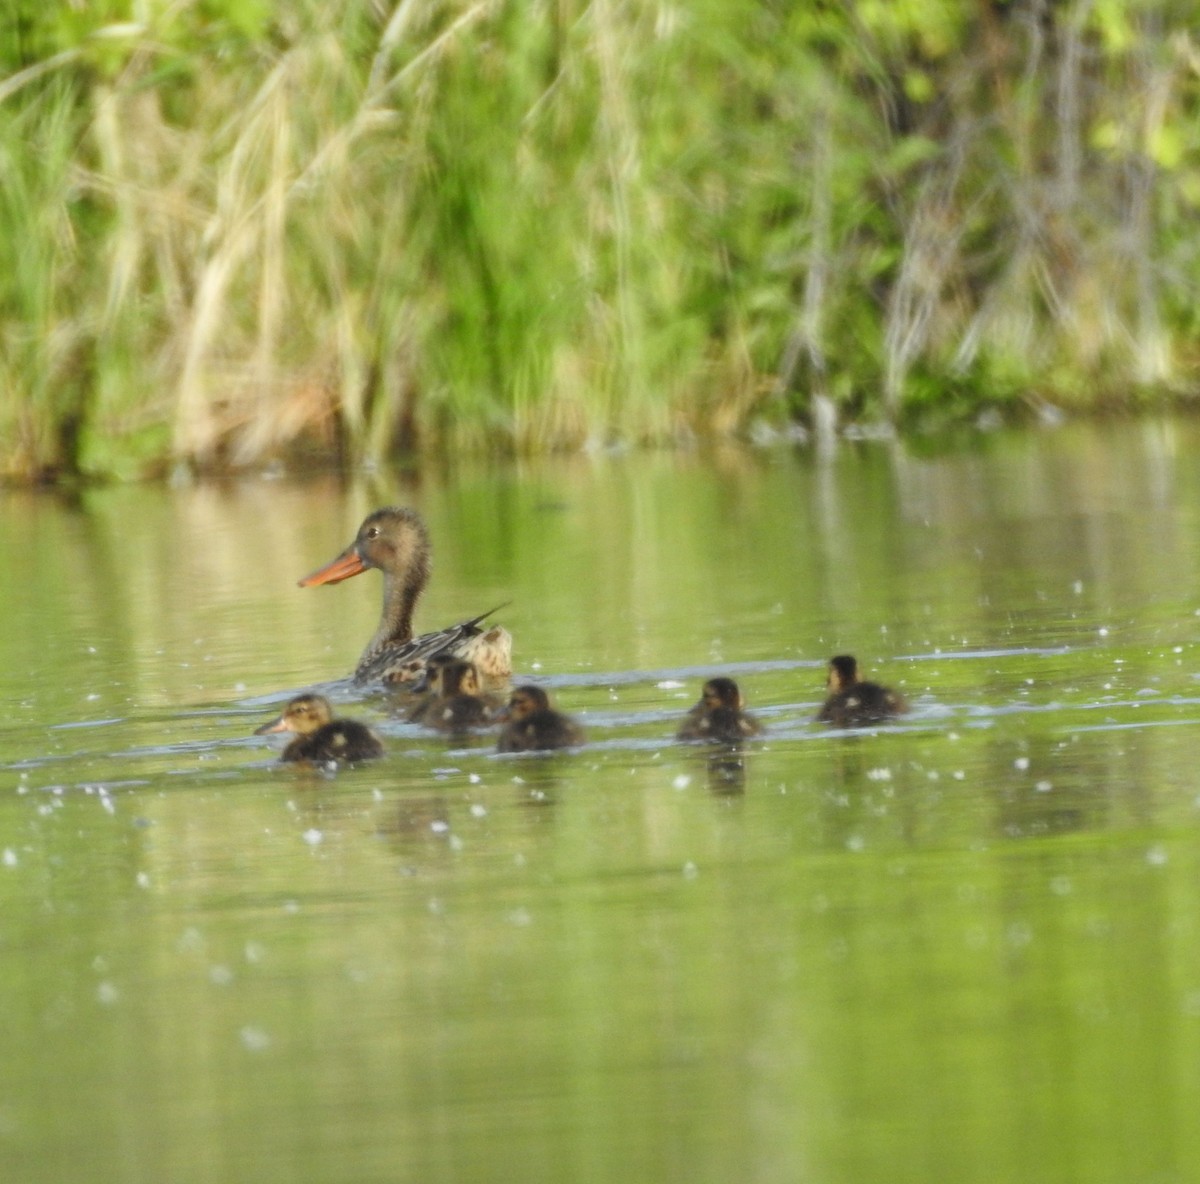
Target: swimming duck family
[452,666]
[532,724]
[319,737]
[853,702]
[719,715]
[395,541]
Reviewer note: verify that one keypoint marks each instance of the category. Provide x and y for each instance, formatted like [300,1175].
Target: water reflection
[727,769]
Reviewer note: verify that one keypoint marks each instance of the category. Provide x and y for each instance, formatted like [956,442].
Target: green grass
[243,231]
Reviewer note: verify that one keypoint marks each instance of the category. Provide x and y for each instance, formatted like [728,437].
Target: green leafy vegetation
[232,230]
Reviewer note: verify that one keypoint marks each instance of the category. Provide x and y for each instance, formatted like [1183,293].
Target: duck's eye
[372,532]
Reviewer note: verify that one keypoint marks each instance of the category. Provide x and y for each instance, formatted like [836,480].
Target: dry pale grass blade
[247,226]
[271,305]
[932,236]
[375,111]
[30,74]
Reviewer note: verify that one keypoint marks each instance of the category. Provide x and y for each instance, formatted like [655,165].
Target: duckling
[425,687]
[719,715]
[320,737]
[853,703]
[533,724]
[396,541]
[455,703]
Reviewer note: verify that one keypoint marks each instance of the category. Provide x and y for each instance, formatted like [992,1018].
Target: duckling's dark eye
[372,532]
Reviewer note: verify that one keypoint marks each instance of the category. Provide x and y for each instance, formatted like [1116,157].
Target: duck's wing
[404,663]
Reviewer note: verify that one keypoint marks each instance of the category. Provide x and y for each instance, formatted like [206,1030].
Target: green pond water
[965,947]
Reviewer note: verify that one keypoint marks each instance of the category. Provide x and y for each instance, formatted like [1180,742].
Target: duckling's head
[424,674]
[303,715]
[843,673]
[411,676]
[525,701]
[393,539]
[721,692]
[457,677]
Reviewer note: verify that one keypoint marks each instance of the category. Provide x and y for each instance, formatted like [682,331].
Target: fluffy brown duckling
[455,702]
[395,541]
[532,724]
[719,715]
[428,684]
[320,737]
[423,682]
[854,703]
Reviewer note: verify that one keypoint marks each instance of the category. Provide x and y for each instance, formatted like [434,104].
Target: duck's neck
[395,622]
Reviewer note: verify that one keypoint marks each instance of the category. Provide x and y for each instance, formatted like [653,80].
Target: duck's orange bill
[276,725]
[347,564]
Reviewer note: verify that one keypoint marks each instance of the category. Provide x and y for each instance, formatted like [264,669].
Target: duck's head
[843,673]
[524,702]
[303,715]
[721,692]
[393,539]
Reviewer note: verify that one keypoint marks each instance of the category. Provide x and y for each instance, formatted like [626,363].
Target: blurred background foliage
[235,230]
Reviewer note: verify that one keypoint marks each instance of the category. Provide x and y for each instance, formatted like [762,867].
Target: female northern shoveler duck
[853,703]
[395,541]
[320,737]
[532,724]
[454,702]
[719,715]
